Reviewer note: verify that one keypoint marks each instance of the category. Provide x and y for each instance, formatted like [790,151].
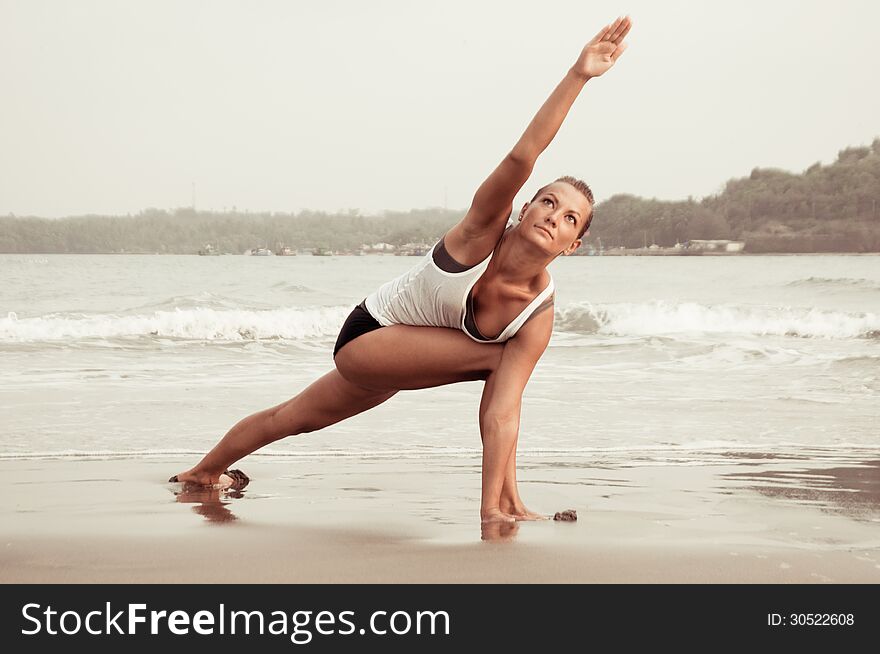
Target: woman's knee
[326,401]
[278,422]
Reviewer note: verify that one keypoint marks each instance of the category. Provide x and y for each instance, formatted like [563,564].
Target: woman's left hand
[604,49]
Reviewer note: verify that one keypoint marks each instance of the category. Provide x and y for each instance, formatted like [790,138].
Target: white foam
[198,324]
[659,317]
[298,323]
[837,282]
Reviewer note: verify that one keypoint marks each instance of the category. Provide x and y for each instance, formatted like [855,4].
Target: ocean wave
[292,288]
[664,318]
[869,363]
[838,282]
[203,300]
[656,319]
[203,324]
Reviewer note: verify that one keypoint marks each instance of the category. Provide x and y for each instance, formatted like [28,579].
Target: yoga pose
[479,306]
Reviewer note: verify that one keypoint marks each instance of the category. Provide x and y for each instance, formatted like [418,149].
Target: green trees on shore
[184,231]
[830,208]
[834,208]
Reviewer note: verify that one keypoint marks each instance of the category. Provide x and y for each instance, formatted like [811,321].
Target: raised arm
[492,202]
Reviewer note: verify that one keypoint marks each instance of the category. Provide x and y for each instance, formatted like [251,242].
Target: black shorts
[358,322]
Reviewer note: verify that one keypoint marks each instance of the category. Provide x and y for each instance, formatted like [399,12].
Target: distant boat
[258,252]
[412,250]
[285,252]
[208,251]
[320,252]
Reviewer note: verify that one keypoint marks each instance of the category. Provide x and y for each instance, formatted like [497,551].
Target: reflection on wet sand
[498,532]
[851,490]
[209,502]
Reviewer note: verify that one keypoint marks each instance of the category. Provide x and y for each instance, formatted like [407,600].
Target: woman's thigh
[404,357]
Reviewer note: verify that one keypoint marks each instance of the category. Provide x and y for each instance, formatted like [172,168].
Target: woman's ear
[522,212]
[571,248]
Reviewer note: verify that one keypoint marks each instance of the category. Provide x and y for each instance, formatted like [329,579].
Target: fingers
[615,32]
[620,29]
[600,35]
[627,26]
[615,27]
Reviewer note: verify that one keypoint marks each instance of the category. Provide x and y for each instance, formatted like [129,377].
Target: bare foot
[225,480]
[520,512]
[495,515]
[525,514]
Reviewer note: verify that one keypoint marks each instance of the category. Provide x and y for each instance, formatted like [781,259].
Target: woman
[429,326]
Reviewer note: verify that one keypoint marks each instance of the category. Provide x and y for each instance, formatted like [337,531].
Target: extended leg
[328,400]
[370,369]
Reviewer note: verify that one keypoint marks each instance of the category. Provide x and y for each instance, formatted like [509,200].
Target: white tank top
[427,295]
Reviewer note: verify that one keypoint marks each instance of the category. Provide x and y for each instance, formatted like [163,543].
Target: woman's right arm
[492,202]
[501,404]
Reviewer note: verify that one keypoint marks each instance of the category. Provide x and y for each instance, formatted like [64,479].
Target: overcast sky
[111,106]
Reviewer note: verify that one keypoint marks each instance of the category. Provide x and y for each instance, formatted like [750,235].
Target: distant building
[378,248]
[717,245]
[412,250]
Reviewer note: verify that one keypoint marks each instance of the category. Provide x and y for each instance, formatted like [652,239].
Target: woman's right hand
[603,51]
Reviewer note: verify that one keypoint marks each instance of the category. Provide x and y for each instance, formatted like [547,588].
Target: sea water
[651,357]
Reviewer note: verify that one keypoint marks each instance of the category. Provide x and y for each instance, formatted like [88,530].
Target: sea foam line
[300,323]
[196,324]
[661,317]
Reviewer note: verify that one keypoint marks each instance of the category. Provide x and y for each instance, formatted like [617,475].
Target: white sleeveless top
[427,295]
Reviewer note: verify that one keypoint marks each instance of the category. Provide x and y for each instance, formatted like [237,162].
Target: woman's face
[554,218]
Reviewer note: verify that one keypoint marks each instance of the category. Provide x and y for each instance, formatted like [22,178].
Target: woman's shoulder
[470,248]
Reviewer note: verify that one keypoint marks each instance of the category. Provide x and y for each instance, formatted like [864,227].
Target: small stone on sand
[569,515]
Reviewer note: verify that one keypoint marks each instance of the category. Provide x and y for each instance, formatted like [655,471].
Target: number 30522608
[810,619]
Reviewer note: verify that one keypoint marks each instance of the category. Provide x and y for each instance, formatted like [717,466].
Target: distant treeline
[830,208]
[185,231]
[833,208]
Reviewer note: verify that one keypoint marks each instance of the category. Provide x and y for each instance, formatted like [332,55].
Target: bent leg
[370,369]
[404,357]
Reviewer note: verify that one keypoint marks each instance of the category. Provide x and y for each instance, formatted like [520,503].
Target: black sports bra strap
[470,322]
[444,261]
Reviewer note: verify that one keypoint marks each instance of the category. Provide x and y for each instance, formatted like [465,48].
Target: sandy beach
[728,517]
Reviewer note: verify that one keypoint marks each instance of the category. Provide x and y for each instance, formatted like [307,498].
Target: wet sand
[729,517]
